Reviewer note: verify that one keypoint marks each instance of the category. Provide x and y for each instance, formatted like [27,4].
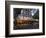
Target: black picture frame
[7,3]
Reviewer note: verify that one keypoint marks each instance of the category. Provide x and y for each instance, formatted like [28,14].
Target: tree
[36,15]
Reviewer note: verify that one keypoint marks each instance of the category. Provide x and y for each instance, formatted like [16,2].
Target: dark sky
[24,12]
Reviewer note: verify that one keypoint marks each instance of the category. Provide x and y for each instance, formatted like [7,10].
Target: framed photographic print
[24,18]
